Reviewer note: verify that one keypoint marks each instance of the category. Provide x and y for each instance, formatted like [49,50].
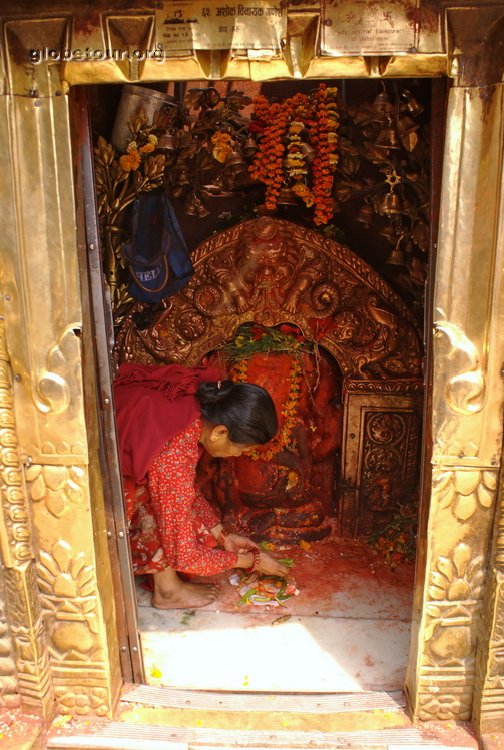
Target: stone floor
[348,630]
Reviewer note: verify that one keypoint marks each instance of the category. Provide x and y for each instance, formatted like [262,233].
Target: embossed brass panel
[466,421]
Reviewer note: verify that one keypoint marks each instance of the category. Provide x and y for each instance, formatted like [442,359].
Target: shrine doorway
[349,525]
[343,367]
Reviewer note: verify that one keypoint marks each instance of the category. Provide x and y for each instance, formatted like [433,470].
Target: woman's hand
[268,565]
[272,567]
[238,543]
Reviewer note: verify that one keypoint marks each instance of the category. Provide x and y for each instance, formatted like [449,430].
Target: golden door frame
[61,632]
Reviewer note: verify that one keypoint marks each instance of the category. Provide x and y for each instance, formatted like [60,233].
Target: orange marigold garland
[284,439]
[324,163]
[254,339]
[294,132]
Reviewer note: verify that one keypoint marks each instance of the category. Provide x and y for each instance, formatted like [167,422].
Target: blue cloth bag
[156,252]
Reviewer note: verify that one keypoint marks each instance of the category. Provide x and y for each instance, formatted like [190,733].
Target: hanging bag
[156,254]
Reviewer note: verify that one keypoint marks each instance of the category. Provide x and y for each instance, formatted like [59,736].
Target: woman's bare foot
[170,592]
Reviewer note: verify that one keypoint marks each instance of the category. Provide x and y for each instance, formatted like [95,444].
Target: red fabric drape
[153,404]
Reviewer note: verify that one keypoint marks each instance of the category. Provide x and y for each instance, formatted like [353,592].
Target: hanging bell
[286,197]
[194,206]
[413,107]
[166,142]
[406,125]
[382,102]
[397,257]
[387,138]
[365,214]
[390,204]
[234,163]
[249,148]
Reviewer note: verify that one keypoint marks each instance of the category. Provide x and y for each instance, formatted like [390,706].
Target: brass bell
[406,125]
[382,102]
[249,147]
[287,198]
[390,204]
[234,163]
[387,138]
[194,206]
[365,214]
[167,142]
[413,107]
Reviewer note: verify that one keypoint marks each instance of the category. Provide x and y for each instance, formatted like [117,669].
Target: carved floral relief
[465,490]
[454,602]
[58,487]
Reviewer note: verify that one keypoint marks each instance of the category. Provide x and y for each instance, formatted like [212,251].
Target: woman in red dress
[166,416]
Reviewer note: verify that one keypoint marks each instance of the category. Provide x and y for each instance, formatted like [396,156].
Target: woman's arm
[171,483]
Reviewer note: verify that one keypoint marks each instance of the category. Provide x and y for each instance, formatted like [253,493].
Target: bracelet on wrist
[223,535]
[256,562]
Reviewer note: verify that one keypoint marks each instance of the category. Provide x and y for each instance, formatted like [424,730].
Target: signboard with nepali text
[205,24]
[369,26]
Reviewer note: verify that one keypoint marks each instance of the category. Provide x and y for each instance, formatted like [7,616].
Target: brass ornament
[269,270]
[454,603]
[9,697]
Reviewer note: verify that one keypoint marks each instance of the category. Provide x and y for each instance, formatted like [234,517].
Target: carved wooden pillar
[457,664]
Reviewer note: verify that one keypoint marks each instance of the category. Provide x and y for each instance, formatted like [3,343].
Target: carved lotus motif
[57,486]
[457,578]
[464,490]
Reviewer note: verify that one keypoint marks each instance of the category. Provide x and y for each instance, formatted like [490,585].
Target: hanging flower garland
[324,164]
[256,339]
[284,440]
[297,148]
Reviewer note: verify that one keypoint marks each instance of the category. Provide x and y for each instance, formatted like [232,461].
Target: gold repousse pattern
[449,676]
[65,639]
[19,585]
[9,686]
[489,704]
[269,271]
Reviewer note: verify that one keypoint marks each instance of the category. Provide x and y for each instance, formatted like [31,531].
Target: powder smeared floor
[347,631]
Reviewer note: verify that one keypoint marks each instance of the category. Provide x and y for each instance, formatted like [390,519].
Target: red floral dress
[169,520]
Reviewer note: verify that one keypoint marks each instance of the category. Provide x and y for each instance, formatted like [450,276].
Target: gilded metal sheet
[233,40]
[489,703]
[467,403]
[72,608]
[9,686]
[198,24]
[469,309]
[30,677]
[42,291]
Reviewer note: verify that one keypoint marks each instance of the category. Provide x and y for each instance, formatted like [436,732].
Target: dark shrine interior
[385,198]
